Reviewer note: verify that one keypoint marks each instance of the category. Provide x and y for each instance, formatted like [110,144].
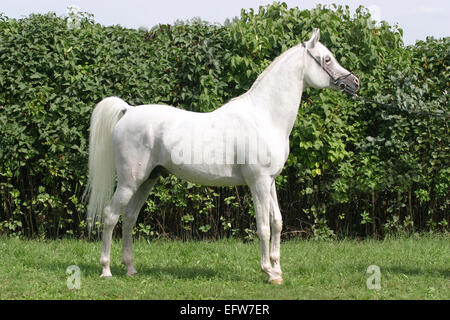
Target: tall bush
[354,168]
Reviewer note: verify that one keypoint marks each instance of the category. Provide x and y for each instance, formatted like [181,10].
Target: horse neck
[278,90]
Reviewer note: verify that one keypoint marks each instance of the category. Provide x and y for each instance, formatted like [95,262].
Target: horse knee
[277,226]
[109,218]
[118,203]
[264,233]
[122,197]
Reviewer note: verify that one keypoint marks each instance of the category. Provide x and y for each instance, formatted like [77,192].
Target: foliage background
[355,169]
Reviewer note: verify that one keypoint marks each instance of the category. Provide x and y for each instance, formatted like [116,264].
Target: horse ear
[314,38]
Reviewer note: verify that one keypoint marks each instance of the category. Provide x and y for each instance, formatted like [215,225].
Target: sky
[417,18]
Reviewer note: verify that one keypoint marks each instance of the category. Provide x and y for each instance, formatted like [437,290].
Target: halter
[339,81]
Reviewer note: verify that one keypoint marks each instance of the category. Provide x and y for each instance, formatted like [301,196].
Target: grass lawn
[411,268]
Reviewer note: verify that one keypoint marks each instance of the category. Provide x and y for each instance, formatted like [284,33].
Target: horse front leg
[276,227]
[262,202]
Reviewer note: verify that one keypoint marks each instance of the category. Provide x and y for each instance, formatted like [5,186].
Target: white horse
[244,142]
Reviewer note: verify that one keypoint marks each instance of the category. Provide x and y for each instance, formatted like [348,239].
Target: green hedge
[355,169]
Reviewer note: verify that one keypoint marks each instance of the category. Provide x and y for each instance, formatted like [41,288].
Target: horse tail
[101,178]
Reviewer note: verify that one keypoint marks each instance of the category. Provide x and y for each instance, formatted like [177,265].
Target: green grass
[411,268]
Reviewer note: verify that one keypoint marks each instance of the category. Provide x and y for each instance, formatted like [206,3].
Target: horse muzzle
[348,83]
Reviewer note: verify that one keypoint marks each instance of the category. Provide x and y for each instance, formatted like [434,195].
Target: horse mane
[266,71]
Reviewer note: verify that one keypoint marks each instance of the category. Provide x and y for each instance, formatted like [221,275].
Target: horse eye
[327,60]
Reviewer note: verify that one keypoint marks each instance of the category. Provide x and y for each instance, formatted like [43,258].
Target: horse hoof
[106,276]
[132,274]
[276,282]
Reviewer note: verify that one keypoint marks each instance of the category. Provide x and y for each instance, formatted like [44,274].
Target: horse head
[324,71]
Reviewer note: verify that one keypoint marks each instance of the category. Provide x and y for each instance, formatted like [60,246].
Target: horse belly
[211,175]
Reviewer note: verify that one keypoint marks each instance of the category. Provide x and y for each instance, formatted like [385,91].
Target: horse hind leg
[111,214]
[129,220]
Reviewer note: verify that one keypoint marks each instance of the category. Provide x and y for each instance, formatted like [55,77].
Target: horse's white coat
[245,142]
